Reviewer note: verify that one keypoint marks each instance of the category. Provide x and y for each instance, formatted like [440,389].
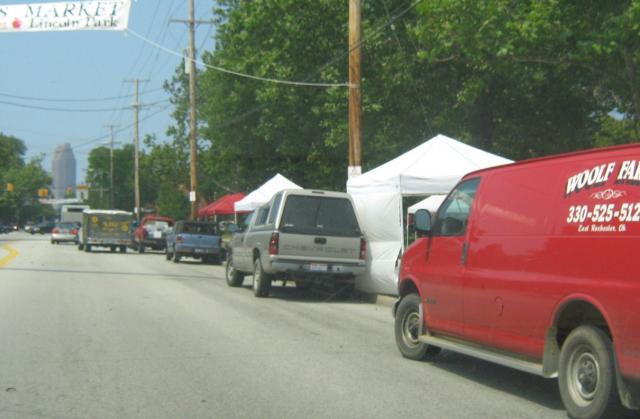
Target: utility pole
[111,186]
[193,140]
[136,144]
[355,92]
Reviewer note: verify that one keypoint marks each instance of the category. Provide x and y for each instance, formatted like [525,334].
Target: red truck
[536,266]
[151,233]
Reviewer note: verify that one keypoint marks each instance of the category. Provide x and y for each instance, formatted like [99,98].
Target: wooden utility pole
[136,145]
[193,135]
[111,186]
[355,92]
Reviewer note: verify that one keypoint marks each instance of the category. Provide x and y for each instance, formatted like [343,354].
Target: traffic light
[9,187]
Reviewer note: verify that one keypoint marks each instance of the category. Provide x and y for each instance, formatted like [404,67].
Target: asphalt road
[105,335]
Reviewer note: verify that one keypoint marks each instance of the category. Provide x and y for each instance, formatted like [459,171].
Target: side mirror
[422,221]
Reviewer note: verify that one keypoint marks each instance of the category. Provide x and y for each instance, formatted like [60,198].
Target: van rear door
[319,229]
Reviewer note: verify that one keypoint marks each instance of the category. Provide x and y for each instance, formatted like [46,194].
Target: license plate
[318,267]
[157,234]
[200,250]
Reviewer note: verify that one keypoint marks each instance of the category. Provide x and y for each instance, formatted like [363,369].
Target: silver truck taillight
[273,243]
[363,249]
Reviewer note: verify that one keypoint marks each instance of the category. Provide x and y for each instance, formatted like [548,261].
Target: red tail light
[74,231]
[179,239]
[56,230]
[273,243]
[363,249]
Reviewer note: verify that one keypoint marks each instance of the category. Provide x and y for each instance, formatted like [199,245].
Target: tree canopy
[521,79]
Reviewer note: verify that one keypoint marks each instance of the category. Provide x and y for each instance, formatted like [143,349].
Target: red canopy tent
[222,206]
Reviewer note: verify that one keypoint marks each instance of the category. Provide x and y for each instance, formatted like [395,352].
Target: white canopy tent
[433,167]
[263,194]
[431,204]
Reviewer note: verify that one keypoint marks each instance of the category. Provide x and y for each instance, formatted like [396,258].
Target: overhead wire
[395,34]
[119,130]
[374,34]
[76,100]
[79,110]
[236,73]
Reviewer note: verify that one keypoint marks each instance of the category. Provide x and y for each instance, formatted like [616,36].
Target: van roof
[553,157]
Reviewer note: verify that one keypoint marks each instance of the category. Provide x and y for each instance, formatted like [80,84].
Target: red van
[536,266]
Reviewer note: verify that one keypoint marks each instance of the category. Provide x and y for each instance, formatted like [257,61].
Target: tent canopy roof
[263,194]
[434,167]
[221,206]
[431,204]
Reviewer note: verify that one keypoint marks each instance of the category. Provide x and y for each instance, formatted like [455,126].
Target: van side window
[275,207]
[261,218]
[454,212]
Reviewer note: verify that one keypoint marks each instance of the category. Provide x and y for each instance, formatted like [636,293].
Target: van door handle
[465,251]
[320,240]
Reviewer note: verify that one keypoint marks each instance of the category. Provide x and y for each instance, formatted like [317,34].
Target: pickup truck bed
[194,239]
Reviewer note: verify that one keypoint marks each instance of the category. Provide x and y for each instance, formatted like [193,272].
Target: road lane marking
[13,253]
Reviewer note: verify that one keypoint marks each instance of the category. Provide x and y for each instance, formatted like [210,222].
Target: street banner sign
[65,16]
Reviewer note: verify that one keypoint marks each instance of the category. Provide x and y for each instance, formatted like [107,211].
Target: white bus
[72,213]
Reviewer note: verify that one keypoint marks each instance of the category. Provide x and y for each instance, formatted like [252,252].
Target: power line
[104,137]
[45,108]
[104,99]
[236,73]
[374,34]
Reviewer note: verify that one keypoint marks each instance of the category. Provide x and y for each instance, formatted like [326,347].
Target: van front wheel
[587,374]
[407,330]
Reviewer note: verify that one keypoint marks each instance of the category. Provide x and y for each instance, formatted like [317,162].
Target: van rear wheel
[407,330]
[587,375]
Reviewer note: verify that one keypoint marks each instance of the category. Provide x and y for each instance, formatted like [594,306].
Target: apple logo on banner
[16,23]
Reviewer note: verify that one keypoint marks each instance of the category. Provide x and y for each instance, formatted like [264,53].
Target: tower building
[63,171]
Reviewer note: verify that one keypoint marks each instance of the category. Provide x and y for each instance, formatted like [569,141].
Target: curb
[380,299]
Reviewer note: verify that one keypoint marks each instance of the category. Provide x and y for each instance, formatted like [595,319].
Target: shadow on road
[530,387]
[109,273]
[312,295]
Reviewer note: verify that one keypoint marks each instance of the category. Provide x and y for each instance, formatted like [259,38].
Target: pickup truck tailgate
[319,248]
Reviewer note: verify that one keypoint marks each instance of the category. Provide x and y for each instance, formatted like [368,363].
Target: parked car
[533,266]
[5,229]
[199,240]
[28,227]
[106,228]
[303,236]
[64,232]
[151,232]
[43,228]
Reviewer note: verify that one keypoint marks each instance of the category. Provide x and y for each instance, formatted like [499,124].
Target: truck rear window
[199,228]
[321,216]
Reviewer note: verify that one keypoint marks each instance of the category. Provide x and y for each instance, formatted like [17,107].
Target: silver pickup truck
[303,236]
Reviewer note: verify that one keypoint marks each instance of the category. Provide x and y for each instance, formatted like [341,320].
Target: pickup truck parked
[534,266]
[194,239]
[105,228]
[302,236]
[151,232]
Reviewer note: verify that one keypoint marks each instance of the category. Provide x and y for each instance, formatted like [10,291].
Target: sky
[74,71]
